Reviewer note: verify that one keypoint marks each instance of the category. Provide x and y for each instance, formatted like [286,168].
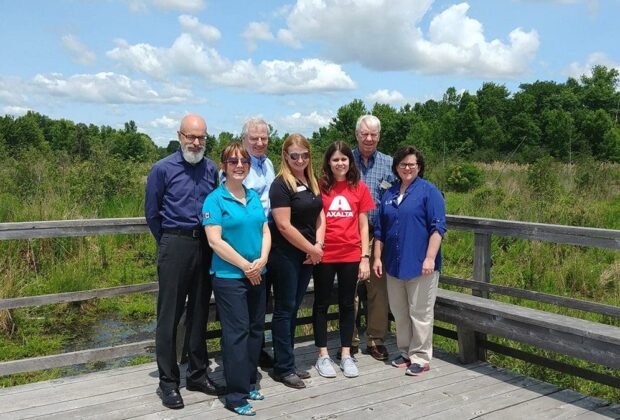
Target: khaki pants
[377,308]
[412,303]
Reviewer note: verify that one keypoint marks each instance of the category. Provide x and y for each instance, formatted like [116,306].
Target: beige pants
[377,306]
[412,303]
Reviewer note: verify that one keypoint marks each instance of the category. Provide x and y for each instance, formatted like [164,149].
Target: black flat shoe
[303,374]
[170,398]
[207,387]
[291,380]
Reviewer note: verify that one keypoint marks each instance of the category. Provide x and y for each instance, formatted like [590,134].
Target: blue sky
[293,63]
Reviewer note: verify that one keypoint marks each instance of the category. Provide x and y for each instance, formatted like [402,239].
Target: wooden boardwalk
[448,391]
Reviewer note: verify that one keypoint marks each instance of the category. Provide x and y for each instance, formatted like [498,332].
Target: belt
[192,233]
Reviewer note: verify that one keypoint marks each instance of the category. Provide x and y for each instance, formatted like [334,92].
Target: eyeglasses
[235,161]
[254,140]
[191,138]
[403,165]
[296,156]
[365,134]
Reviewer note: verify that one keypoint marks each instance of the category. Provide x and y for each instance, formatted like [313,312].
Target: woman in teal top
[237,231]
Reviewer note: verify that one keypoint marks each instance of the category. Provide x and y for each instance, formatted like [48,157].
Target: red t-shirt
[342,207]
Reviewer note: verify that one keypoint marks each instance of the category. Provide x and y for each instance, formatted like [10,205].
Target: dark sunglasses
[296,156]
[235,161]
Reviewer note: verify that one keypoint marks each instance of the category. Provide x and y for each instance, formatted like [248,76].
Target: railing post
[468,344]
[482,261]
[482,272]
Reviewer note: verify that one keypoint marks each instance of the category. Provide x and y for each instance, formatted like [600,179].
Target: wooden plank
[561,323]
[604,238]
[566,302]
[549,338]
[77,296]
[515,396]
[583,236]
[74,358]
[561,405]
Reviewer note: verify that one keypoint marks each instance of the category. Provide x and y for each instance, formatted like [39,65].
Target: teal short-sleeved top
[242,227]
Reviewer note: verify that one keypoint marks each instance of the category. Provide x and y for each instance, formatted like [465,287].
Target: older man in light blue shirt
[255,138]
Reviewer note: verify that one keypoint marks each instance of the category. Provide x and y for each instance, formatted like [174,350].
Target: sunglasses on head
[296,156]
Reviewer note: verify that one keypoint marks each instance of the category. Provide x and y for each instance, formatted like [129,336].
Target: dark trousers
[290,278]
[183,273]
[241,308]
[324,275]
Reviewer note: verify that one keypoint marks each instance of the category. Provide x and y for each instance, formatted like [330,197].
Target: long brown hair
[298,140]
[353,174]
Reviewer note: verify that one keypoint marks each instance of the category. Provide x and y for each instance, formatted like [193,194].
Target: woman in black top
[298,230]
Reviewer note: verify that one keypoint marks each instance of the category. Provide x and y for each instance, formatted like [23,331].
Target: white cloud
[576,70]
[280,77]
[256,31]
[79,52]
[455,43]
[190,57]
[164,121]
[13,91]
[305,124]
[102,87]
[186,56]
[286,37]
[383,96]
[189,6]
[15,110]
[192,24]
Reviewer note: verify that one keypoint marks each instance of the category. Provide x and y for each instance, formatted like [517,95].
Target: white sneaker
[348,367]
[324,367]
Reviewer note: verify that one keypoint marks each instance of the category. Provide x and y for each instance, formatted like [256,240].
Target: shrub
[463,177]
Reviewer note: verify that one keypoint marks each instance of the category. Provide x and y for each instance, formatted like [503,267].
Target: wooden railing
[473,315]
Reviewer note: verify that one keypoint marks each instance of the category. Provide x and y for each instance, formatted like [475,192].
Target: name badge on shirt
[301,188]
[385,185]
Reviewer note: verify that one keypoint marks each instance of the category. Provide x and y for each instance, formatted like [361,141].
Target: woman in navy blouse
[408,234]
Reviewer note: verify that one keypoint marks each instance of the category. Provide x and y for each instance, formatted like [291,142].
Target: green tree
[493,101]
[599,90]
[558,133]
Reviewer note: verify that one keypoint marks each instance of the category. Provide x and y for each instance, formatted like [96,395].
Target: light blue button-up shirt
[260,178]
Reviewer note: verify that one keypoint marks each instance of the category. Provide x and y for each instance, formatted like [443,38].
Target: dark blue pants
[324,275]
[290,278]
[183,272]
[241,308]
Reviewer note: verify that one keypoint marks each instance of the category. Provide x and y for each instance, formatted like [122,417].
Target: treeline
[562,120]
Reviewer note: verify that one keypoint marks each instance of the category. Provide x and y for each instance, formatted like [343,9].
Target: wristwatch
[321,244]
[366,256]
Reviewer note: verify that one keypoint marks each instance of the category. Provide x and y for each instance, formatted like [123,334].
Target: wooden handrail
[471,338]
[575,235]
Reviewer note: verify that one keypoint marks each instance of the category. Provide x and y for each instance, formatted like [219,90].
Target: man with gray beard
[176,187]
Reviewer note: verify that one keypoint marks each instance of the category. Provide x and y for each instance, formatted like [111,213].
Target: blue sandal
[255,395]
[245,410]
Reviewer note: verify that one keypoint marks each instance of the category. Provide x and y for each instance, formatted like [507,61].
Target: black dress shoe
[170,398]
[206,387]
[291,380]
[265,360]
[303,374]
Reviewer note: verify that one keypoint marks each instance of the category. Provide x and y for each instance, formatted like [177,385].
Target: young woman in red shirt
[346,201]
